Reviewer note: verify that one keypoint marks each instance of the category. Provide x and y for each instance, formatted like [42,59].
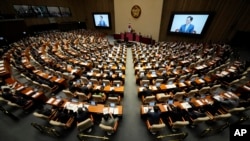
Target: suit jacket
[154,117]
[82,116]
[190,29]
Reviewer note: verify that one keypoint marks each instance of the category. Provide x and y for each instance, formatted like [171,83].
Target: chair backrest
[192,93]
[179,96]
[204,90]
[95,70]
[84,125]
[222,117]
[82,96]
[97,98]
[193,77]
[164,98]
[182,78]
[158,81]
[68,94]
[214,88]
[234,81]
[113,100]
[117,82]
[157,127]
[147,82]
[149,99]
[105,82]
[170,80]
[84,79]
[200,120]
[94,81]
[179,124]
[107,128]
[237,110]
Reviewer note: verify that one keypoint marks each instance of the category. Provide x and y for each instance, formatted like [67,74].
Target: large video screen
[65,11]
[54,11]
[40,11]
[189,23]
[102,20]
[24,11]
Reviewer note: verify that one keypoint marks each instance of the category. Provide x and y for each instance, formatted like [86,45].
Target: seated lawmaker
[109,120]
[147,92]
[82,114]
[154,114]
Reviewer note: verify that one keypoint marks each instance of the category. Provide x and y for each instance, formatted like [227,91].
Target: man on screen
[188,27]
[102,22]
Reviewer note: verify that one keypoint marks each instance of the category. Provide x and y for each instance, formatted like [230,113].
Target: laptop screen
[187,99]
[170,101]
[112,105]
[92,103]
[151,103]
[158,84]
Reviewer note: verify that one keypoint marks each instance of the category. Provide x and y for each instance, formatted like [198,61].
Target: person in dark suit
[101,22]
[154,115]
[147,92]
[85,89]
[63,115]
[82,115]
[188,27]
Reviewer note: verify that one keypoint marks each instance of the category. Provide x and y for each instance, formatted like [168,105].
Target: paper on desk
[141,89]
[35,95]
[153,88]
[105,110]
[20,88]
[58,79]
[29,92]
[50,100]
[145,109]
[98,87]
[112,88]
[186,105]
[201,80]
[166,108]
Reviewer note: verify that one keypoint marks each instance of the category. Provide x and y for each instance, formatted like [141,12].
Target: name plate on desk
[29,92]
[36,94]
[58,79]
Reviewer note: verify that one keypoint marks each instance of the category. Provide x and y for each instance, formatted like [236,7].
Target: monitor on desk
[92,103]
[74,100]
[151,104]
[170,101]
[112,105]
[158,84]
[187,99]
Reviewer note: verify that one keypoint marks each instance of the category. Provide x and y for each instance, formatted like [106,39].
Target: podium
[130,36]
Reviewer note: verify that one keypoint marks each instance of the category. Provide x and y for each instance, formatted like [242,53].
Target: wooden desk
[119,89]
[52,78]
[144,108]
[98,109]
[27,91]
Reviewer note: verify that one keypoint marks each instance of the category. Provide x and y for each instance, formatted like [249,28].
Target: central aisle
[131,127]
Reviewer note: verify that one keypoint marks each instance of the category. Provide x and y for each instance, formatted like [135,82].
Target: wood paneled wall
[230,16]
